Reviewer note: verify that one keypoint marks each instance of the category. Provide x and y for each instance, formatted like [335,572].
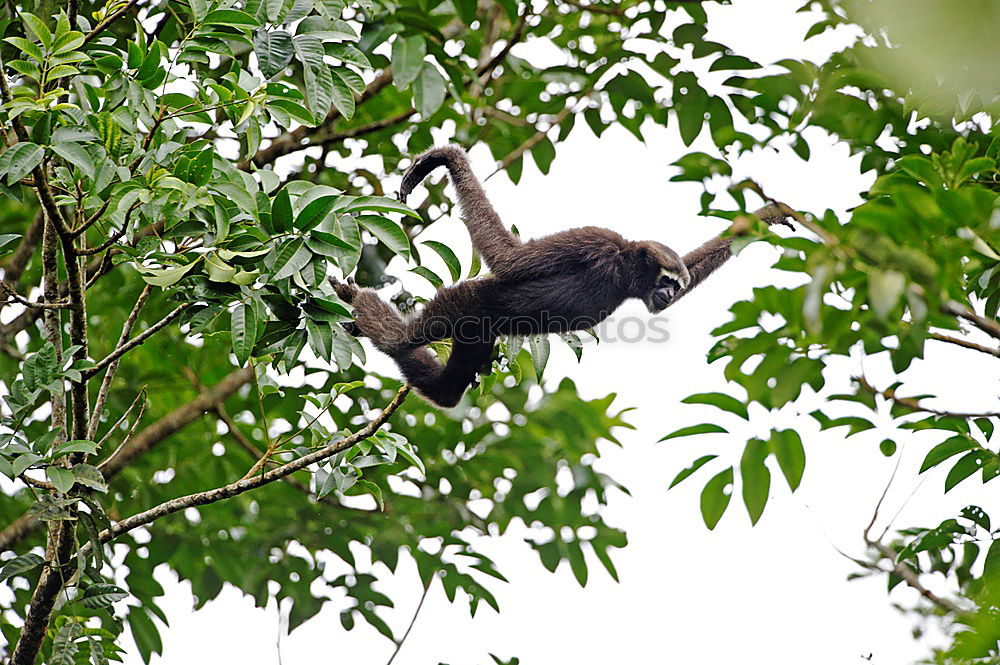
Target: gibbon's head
[666,276]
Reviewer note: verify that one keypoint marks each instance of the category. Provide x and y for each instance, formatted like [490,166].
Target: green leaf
[20,159]
[429,90]
[217,269]
[348,53]
[70,41]
[90,476]
[715,498]
[75,155]
[755,477]
[232,18]
[689,471]
[376,203]
[20,565]
[719,401]
[99,596]
[704,428]
[281,212]
[690,104]
[947,448]
[539,347]
[388,232]
[164,277]
[78,446]
[320,335]
[327,244]
[291,257]
[8,241]
[407,59]
[967,465]
[28,47]
[446,254]
[791,455]
[429,275]
[243,324]
[274,51]
[884,290]
[37,28]
[343,96]
[315,212]
[62,479]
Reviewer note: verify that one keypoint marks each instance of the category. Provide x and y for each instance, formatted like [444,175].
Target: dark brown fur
[566,281]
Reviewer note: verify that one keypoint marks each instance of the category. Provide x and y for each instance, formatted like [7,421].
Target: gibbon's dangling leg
[706,259]
[495,244]
[404,341]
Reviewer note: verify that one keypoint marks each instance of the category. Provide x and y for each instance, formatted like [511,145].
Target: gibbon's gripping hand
[775,213]
[347,293]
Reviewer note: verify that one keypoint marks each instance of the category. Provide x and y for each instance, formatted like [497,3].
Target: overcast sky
[773,594]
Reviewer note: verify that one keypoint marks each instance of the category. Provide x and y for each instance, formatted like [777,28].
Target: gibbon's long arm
[708,258]
[495,244]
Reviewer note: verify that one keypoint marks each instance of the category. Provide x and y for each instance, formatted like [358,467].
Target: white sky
[775,593]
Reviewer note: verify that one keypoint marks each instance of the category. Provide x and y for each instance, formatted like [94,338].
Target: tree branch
[416,613]
[914,404]
[122,349]
[965,343]
[103,25]
[102,394]
[247,484]
[958,310]
[144,441]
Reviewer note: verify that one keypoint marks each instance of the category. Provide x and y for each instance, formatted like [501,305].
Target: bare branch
[122,349]
[915,405]
[17,297]
[102,394]
[247,484]
[416,613]
[987,325]
[103,25]
[965,343]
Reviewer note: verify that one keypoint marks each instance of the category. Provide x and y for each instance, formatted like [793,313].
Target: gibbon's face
[671,278]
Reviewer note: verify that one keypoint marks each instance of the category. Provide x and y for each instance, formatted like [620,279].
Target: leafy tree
[171,344]
[918,263]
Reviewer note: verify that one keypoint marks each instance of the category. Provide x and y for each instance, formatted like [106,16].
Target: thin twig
[102,394]
[247,484]
[17,297]
[987,325]
[915,405]
[122,349]
[416,613]
[537,137]
[965,343]
[141,400]
[109,20]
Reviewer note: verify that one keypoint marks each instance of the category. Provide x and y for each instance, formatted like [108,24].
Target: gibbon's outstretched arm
[495,244]
[708,258]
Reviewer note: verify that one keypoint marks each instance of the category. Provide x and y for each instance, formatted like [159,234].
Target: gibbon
[571,280]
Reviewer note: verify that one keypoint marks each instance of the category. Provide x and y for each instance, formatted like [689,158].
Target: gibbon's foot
[378,321]
[345,292]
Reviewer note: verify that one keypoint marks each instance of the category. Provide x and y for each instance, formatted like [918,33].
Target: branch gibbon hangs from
[571,280]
